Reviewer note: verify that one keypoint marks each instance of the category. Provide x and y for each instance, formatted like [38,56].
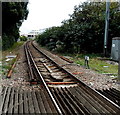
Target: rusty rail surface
[12,67]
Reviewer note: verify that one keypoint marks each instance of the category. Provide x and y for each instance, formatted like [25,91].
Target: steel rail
[29,64]
[46,87]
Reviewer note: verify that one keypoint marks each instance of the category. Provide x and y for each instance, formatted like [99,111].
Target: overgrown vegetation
[84,31]
[98,65]
[13,49]
[6,65]
[13,14]
[15,46]
[23,38]
[95,62]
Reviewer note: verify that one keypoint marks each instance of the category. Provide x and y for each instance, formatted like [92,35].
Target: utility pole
[119,59]
[119,71]
[106,26]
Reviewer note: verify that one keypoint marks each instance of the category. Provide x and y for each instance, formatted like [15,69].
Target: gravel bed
[19,77]
[93,79]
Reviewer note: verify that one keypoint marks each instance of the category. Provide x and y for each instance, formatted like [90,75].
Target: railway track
[70,94]
[63,92]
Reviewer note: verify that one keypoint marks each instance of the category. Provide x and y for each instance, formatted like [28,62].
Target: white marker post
[86,62]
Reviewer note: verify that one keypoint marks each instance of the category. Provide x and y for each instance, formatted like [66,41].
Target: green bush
[23,38]
[7,41]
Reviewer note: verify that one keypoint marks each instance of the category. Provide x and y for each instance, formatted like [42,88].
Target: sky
[47,13]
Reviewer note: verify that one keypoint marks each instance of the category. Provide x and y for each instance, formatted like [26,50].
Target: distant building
[33,34]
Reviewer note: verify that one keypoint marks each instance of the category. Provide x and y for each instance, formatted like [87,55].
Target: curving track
[71,95]
[59,91]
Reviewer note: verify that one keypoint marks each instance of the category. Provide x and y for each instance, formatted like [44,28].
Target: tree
[13,14]
[84,31]
[23,38]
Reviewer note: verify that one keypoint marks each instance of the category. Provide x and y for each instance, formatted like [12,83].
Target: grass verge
[11,51]
[101,66]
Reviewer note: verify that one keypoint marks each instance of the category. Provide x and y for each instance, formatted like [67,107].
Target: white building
[33,34]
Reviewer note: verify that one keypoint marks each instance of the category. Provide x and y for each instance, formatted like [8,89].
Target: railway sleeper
[111,96]
[19,101]
[62,102]
[93,103]
[102,100]
[73,102]
[84,109]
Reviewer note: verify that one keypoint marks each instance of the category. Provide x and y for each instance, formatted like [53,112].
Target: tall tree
[13,14]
